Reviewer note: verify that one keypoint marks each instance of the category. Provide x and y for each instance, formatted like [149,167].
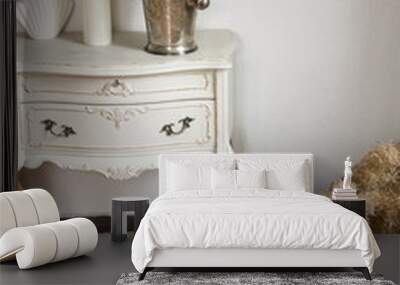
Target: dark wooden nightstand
[356,206]
[122,209]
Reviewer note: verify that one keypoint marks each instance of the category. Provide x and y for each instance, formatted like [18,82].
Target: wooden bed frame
[249,259]
[238,259]
[363,270]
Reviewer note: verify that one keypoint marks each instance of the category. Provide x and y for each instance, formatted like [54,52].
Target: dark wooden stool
[122,208]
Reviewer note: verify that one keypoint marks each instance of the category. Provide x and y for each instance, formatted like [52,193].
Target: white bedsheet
[250,219]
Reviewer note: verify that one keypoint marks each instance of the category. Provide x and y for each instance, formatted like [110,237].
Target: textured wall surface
[312,76]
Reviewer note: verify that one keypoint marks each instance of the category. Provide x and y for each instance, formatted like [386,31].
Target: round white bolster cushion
[52,242]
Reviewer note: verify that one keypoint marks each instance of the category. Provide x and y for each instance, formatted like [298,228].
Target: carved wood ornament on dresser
[114,109]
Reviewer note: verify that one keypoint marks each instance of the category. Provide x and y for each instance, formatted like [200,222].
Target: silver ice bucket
[171,25]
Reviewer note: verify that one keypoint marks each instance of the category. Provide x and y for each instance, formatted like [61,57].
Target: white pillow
[223,179]
[181,177]
[190,174]
[251,178]
[289,179]
[281,174]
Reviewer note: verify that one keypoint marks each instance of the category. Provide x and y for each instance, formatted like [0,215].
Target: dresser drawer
[121,127]
[138,89]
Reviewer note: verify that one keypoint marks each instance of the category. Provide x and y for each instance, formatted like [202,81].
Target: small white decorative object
[123,11]
[44,19]
[346,192]
[97,30]
[347,173]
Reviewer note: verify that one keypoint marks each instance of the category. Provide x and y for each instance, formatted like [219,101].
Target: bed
[247,210]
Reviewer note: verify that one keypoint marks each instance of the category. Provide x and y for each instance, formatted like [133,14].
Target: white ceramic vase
[96,14]
[44,19]
[123,14]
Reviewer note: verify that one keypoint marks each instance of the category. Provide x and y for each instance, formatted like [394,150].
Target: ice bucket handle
[198,4]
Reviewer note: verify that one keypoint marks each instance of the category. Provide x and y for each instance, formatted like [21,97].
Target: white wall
[321,76]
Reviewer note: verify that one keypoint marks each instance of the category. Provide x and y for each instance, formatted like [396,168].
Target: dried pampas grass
[377,178]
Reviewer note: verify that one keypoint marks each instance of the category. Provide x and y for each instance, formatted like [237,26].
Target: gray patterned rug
[269,278]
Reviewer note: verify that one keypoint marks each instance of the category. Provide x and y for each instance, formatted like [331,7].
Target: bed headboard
[164,159]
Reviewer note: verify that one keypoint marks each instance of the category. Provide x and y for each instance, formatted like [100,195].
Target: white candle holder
[97,30]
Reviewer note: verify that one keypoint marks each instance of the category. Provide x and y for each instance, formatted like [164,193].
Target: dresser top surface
[125,56]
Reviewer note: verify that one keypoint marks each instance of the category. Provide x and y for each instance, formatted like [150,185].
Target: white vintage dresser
[114,109]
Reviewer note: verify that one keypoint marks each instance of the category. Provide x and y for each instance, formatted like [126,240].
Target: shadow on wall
[86,193]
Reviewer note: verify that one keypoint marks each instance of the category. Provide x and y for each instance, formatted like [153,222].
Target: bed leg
[364,271]
[143,274]
[366,274]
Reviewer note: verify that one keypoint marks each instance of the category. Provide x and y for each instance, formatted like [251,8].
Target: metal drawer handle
[168,128]
[65,132]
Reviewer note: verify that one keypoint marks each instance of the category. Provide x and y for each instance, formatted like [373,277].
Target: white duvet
[250,219]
